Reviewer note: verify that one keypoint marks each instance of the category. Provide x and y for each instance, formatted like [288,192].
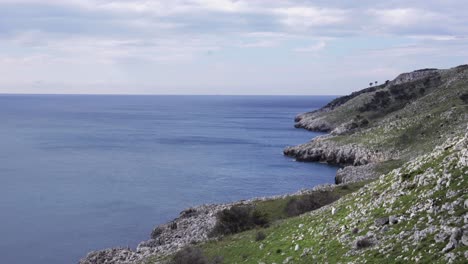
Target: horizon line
[150,94]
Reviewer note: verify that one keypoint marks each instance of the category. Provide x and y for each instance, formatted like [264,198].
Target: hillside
[402,194]
[417,213]
[385,126]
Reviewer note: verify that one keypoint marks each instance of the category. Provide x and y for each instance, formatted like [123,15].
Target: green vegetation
[193,255]
[406,215]
[262,213]
[239,218]
[322,236]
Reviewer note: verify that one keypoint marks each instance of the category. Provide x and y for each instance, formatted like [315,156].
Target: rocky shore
[192,226]
[323,150]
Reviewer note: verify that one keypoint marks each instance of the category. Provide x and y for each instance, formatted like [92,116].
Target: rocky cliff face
[313,122]
[192,226]
[321,149]
[415,75]
[395,120]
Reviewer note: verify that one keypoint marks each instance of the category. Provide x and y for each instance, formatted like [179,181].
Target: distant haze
[223,46]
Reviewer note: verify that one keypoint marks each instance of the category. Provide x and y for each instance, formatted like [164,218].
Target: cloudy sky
[223,46]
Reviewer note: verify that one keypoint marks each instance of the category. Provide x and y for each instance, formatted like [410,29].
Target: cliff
[387,124]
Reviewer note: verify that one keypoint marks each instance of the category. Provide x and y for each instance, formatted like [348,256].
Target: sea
[87,172]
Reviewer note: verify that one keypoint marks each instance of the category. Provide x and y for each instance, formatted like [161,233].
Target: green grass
[321,230]
[275,209]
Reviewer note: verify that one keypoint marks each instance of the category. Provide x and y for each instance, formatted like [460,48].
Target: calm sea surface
[88,172]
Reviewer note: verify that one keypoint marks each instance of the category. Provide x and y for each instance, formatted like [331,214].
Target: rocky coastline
[193,225]
[359,141]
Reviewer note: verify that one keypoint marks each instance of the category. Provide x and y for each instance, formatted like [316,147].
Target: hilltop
[402,194]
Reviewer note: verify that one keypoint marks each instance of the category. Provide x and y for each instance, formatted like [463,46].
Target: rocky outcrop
[321,149]
[314,122]
[358,162]
[192,226]
[356,173]
[415,75]
[112,255]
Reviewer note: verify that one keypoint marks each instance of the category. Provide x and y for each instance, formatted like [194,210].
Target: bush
[464,97]
[237,219]
[217,260]
[309,202]
[156,232]
[260,236]
[364,122]
[381,99]
[363,243]
[193,255]
[189,255]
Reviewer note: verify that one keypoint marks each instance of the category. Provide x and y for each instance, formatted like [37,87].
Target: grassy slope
[322,232]
[418,126]
[275,210]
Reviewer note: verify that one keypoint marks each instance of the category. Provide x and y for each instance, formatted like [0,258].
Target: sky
[284,47]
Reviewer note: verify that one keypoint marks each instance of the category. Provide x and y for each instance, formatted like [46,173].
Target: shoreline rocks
[322,149]
[192,226]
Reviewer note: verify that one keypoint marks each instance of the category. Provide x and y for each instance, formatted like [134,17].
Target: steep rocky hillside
[387,125]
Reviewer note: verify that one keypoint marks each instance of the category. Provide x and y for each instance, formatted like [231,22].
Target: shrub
[260,236]
[193,255]
[364,243]
[464,97]
[217,260]
[381,99]
[237,219]
[309,202]
[364,122]
[189,255]
[156,232]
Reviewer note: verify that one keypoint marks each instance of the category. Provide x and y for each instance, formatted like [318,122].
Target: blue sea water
[80,172]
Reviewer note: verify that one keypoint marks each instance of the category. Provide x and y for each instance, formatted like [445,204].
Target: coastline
[364,151]
[194,224]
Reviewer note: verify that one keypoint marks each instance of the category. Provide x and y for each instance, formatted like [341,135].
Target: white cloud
[259,44]
[313,48]
[131,41]
[435,37]
[404,16]
[303,17]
